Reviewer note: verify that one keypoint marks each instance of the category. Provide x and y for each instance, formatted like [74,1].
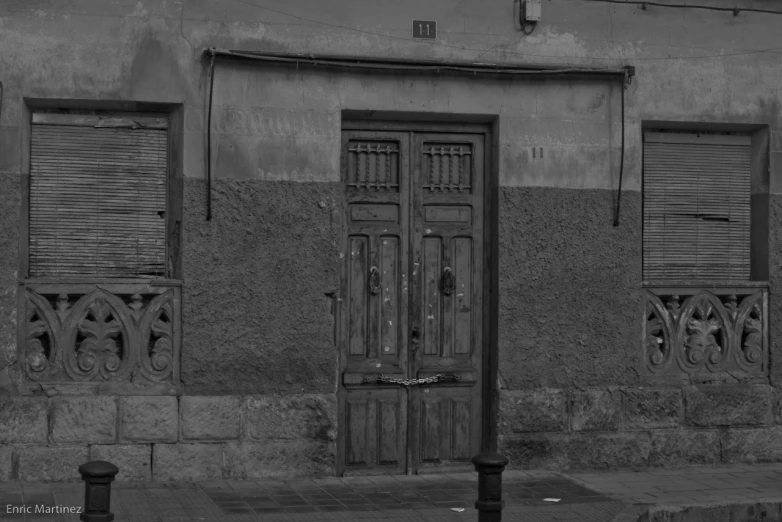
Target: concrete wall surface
[258,358]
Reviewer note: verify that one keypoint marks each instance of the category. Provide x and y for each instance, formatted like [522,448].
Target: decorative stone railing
[106,332]
[698,330]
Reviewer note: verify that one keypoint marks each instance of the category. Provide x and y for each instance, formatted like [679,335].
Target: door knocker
[449,281]
[374,280]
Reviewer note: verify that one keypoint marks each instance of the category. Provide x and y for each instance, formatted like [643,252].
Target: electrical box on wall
[531,11]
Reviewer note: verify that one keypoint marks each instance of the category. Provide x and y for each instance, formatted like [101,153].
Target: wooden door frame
[488,126]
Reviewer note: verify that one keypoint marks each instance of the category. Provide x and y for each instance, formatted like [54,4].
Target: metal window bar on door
[362,180]
[437,177]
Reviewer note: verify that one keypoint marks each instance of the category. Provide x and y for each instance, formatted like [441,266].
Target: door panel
[373,418]
[376,430]
[446,426]
[447,240]
[412,300]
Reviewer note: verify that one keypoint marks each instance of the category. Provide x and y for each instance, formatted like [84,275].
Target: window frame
[171,284]
[174,114]
[759,197]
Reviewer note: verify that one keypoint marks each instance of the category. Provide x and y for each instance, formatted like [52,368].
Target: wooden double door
[412,301]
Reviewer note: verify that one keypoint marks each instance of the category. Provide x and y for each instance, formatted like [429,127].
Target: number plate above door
[424,29]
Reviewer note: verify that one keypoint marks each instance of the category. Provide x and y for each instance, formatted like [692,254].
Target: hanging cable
[625,74]
[398,64]
[734,10]
[209,141]
[625,81]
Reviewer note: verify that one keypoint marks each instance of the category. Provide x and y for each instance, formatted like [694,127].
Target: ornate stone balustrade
[695,330]
[100,332]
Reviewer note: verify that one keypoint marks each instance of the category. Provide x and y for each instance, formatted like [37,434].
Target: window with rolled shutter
[98,189]
[696,207]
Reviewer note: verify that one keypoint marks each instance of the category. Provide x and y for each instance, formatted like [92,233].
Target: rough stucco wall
[569,287]
[775,289]
[255,316]
[9,255]
[150,51]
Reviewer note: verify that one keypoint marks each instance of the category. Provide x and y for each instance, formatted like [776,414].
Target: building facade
[268,239]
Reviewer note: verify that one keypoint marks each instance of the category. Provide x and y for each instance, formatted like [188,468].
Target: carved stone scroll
[693,331]
[157,332]
[42,334]
[657,336]
[101,335]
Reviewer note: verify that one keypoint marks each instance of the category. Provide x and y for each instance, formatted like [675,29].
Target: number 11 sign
[424,29]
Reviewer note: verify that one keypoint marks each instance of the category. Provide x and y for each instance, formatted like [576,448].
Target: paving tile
[354,501]
[439,496]
[268,511]
[383,500]
[334,509]
[291,502]
[262,504]
[422,505]
[348,496]
[352,481]
[643,498]
[322,502]
[431,496]
[230,503]
[315,496]
[217,484]
[255,498]
[411,497]
[452,504]
[473,476]
[270,483]
[301,509]
[383,479]
[412,479]
[363,507]
[582,500]
[730,492]
[682,487]
[677,499]
[716,482]
[764,493]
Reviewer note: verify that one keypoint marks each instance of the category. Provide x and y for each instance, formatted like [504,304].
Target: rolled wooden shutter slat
[696,207]
[97,201]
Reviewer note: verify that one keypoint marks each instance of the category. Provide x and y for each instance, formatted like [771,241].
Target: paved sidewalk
[597,496]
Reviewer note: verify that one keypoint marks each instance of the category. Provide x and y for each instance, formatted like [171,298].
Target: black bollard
[97,476]
[489,504]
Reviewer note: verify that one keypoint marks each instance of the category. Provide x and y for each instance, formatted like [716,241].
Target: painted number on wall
[424,29]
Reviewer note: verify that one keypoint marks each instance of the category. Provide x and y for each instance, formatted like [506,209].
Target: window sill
[100,280]
[704,284]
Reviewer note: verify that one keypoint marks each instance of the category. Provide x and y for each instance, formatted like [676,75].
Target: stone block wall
[168,438]
[615,427]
